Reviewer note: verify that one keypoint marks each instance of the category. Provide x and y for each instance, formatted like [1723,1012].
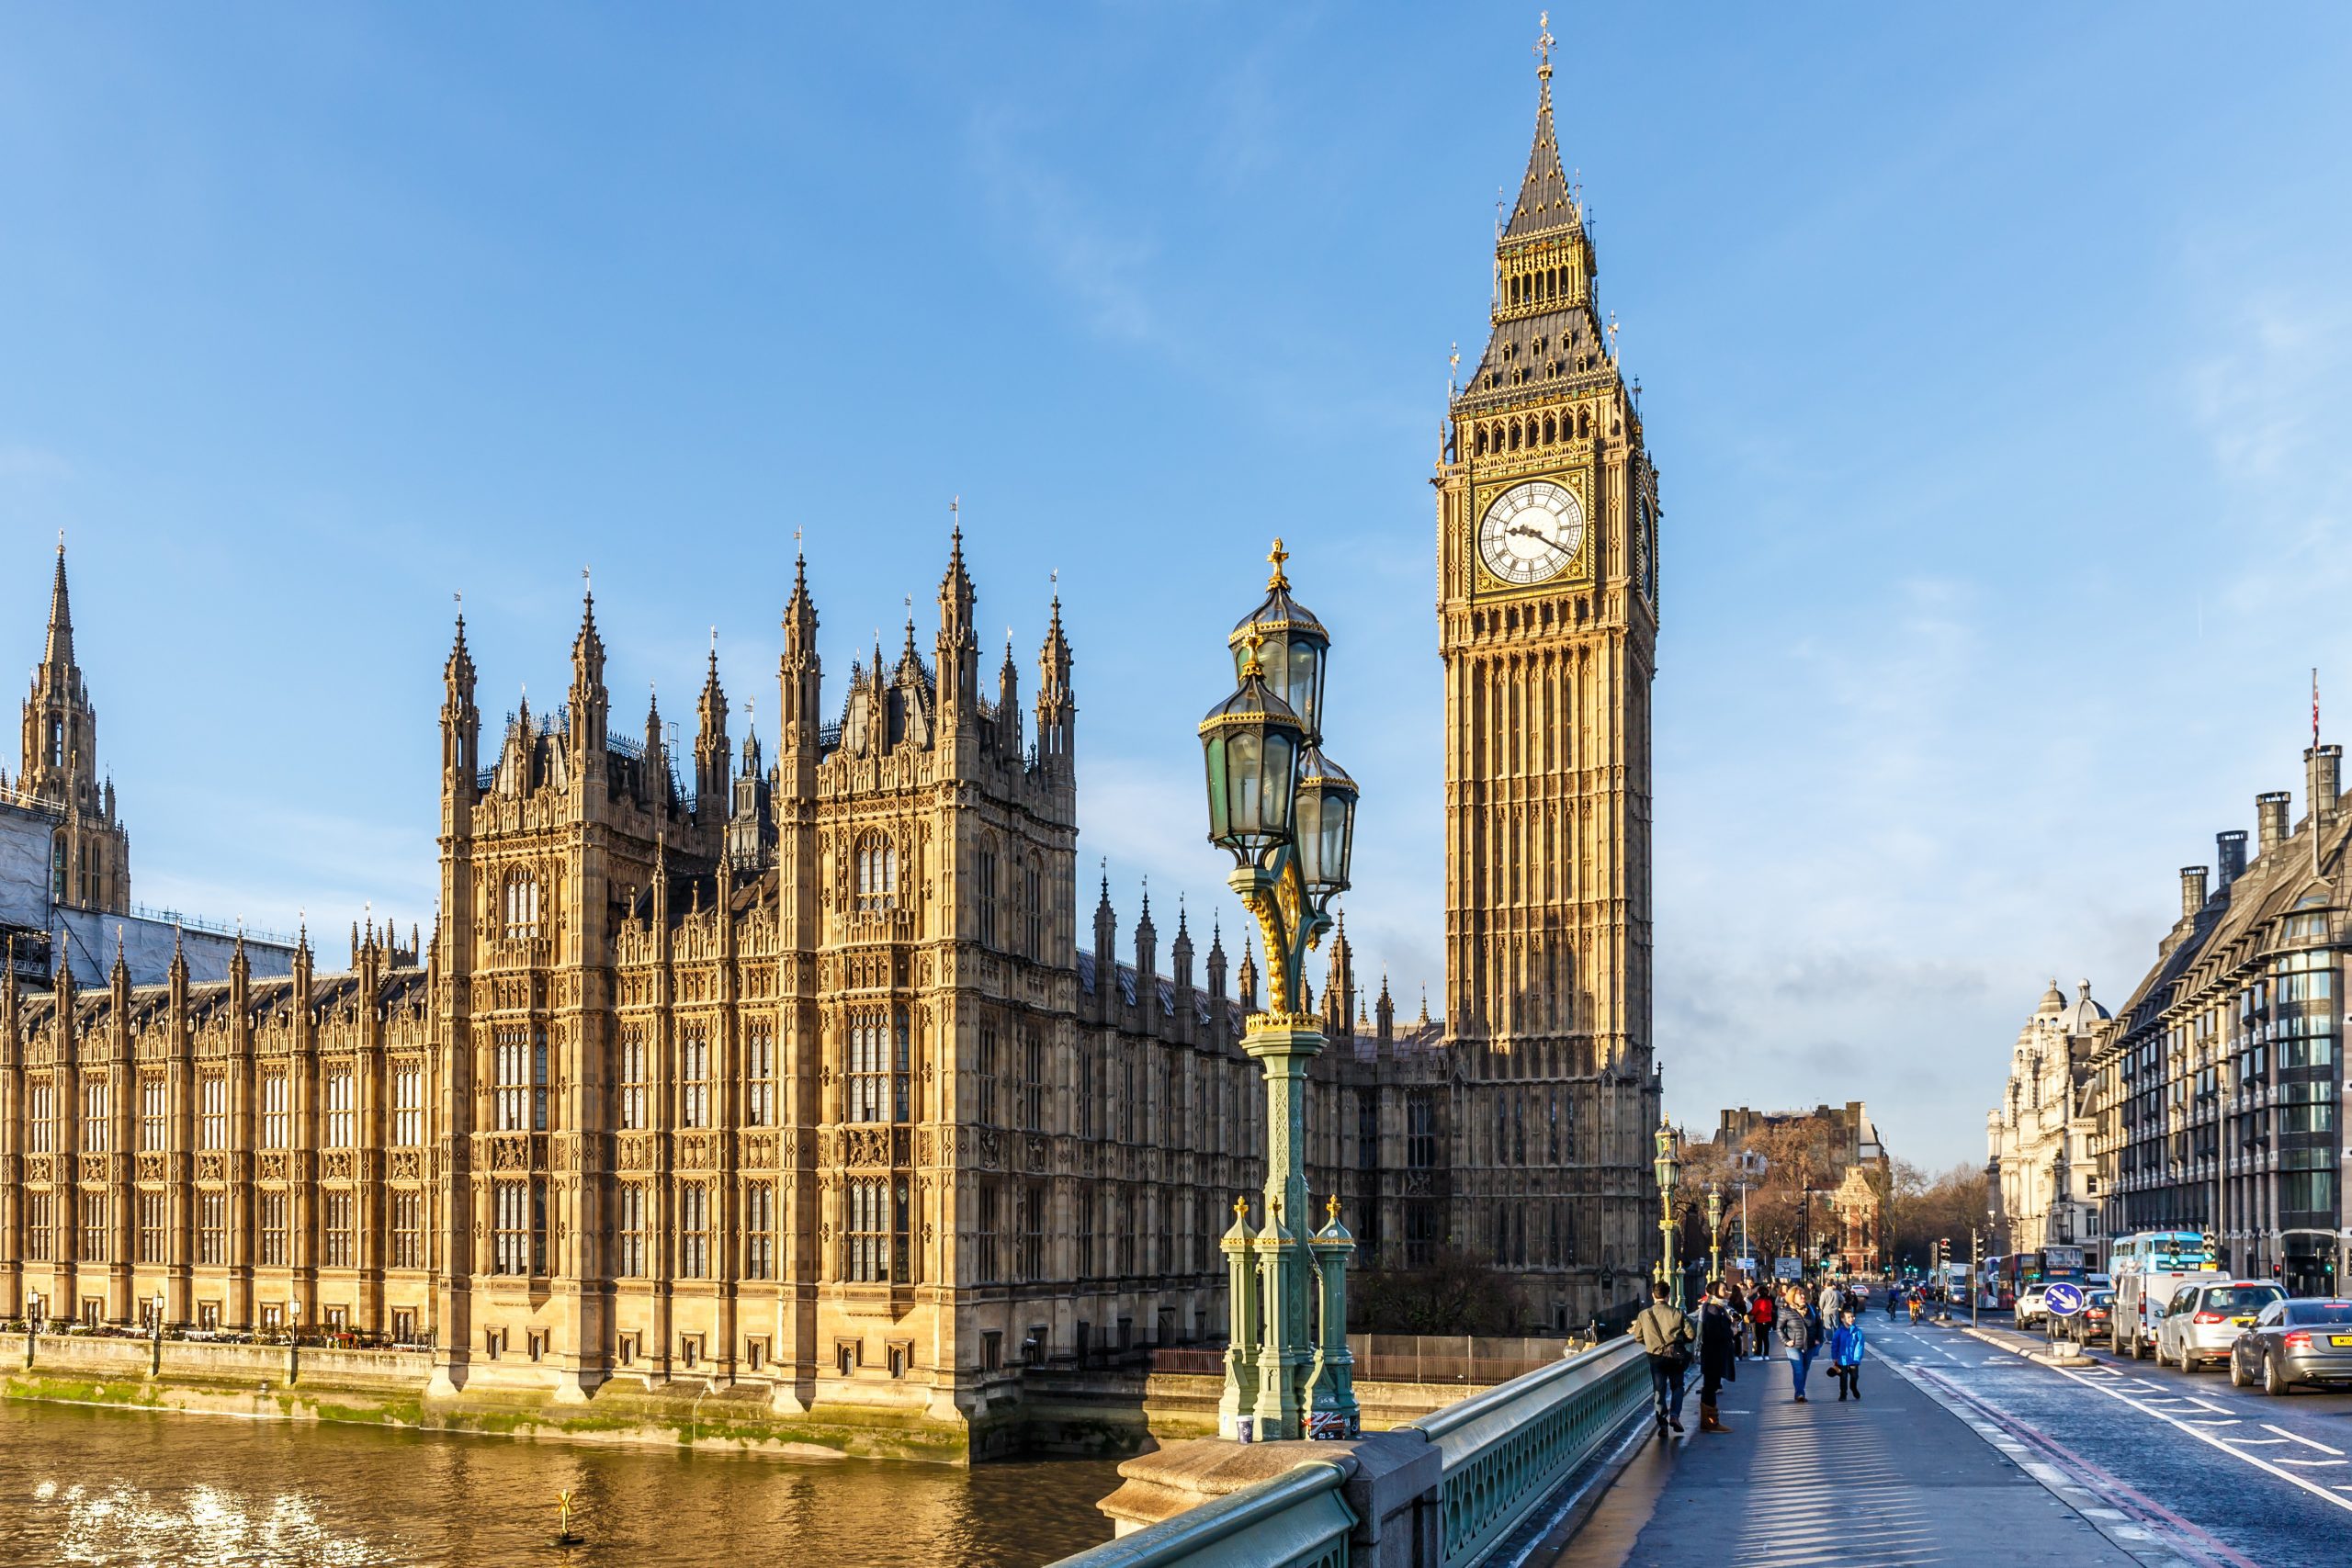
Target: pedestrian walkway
[1892,1480]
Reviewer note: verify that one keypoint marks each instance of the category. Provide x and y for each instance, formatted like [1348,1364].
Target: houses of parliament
[809,1066]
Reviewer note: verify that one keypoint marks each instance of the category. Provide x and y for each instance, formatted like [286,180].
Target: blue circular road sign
[2062,1299]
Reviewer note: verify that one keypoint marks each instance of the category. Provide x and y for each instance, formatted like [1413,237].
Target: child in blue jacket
[1846,1356]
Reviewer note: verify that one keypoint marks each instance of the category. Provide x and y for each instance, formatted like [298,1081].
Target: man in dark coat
[1718,1353]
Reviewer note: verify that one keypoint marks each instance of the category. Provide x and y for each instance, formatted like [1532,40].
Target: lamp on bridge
[1669,1167]
[1286,814]
[1714,1231]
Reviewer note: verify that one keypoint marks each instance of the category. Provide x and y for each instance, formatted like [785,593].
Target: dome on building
[2082,1015]
[2053,1000]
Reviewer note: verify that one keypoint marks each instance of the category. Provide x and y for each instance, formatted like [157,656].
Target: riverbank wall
[390,1388]
[1107,1412]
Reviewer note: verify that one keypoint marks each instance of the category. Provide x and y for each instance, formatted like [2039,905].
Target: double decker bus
[2147,1268]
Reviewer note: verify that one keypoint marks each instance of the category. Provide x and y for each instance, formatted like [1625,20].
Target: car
[2201,1321]
[2299,1340]
[2096,1319]
[2033,1305]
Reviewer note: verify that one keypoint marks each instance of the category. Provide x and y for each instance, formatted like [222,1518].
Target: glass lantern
[1294,648]
[1327,823]
[1249,746]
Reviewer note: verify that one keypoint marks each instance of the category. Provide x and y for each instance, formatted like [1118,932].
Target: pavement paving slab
[1892,1479]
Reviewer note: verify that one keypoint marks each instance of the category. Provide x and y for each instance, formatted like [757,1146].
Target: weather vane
[1543,43]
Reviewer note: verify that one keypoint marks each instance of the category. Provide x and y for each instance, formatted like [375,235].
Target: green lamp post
[1714,1232]
[1668,1169]
[1286,814]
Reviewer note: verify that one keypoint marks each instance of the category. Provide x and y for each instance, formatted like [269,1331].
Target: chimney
[2231,847]
[2271,821]
[2323,771]
[2192,891]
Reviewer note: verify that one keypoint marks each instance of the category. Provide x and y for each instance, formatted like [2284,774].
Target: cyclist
[1894,1301]
[1915,1308]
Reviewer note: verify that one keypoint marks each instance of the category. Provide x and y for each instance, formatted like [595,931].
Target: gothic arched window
[877,871]
[522,906]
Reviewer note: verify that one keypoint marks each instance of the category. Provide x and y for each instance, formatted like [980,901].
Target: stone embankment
[1106,1411]
[391,1388]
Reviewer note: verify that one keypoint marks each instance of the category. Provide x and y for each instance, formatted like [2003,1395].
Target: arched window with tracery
[877,871]
[521,907]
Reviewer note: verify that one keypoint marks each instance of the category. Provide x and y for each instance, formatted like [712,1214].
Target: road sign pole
[1975,1266]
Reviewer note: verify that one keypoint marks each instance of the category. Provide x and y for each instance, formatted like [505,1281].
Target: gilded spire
[1545,200]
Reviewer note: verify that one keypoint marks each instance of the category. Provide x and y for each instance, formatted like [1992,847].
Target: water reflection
[113,1488]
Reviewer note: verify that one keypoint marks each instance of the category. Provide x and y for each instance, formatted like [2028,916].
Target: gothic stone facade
[1547,611]
[793,1075]
[90,848]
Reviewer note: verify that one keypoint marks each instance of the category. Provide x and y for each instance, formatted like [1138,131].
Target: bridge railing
[1500,1455]
[1297,1519]
[1508,1449]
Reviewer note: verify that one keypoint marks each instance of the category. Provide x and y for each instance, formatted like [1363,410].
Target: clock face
[1530,532]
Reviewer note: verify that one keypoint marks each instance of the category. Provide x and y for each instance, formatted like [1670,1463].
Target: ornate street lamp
[1668,1169]
[1286,814]
[1714,1231]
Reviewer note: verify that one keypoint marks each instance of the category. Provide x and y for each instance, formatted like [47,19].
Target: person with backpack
[1759,1316]
[1801,1334]
[1667,1335]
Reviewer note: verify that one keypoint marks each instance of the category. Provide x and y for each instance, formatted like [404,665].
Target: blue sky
[1995,373]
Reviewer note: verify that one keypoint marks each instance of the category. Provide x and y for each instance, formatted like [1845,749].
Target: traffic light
[2212,1244]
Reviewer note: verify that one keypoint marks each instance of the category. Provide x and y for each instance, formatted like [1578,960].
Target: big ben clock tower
[1547,618]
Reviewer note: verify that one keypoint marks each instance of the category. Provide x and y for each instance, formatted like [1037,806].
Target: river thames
[94,1486]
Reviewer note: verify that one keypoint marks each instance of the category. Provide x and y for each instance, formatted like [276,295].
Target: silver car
[2305,1340]
[2202,1321]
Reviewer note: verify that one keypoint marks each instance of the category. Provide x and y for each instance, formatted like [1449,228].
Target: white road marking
[2312,1464]
[2299,1437]
[2226,1445]
[2216,1409]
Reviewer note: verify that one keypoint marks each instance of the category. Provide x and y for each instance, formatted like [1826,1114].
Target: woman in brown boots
[1718,1353]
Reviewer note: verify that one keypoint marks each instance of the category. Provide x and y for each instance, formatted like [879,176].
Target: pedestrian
[1846,1356]
[1759,1316]
[1718,1353]
[1666,1334]
[1801,1334]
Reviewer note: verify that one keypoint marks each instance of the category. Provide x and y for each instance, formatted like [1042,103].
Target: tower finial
[1543,43]
[1278,555]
